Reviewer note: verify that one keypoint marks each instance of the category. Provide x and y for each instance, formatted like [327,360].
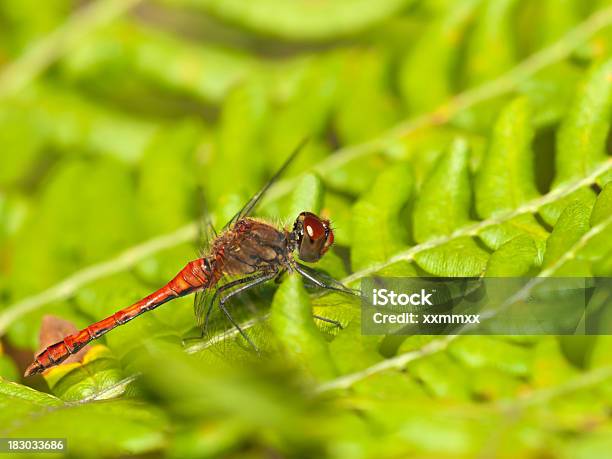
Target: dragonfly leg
[323,281]
[220,290]
[248,283]
[279,278]
[329,321]
[210,303]
[240,330]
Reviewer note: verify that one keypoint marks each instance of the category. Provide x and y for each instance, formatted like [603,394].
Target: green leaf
[495,236]
[304,112]
[550,367]
[442,376]
[300,20]
[8,369]
[391,386]
[572,224]
[339,209]
[352,351]
[603,266]
[207,439]
[582,136]
[26,145]
[598,247]
[460,257]
[166,183]
[592,444]
[14,210]
[557,18]
[307,196]
[435,55]
[601,355]
[506,177]
[12,393]
[27,21]
[551,212]
[292,322]
[92,429]
[515,258]
[399,269]
[493,384]
[256,394]
[355,177]
[376,230]
[73,123]
[443,203]
[550,92]
[492,352]
[365,88]
[491,49]
[603,206]
[77,381]
[205,71]
[237,152]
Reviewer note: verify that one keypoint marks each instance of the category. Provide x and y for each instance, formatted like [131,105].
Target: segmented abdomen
[196,275]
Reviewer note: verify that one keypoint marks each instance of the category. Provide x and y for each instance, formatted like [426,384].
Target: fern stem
[71,284]
[583,381]
[444,113]
[399,362]
[473,230]
[25,69]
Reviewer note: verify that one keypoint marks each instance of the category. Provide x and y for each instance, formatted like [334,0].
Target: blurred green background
[447,138]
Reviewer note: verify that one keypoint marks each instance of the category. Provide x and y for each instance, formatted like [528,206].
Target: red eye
[314,228]
[330,239]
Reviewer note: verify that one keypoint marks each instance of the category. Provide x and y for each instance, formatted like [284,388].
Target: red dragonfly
[247,249]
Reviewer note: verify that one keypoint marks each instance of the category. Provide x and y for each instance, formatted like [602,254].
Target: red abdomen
[197,275]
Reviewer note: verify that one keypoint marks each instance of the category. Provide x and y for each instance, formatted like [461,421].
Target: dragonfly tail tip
[33,369]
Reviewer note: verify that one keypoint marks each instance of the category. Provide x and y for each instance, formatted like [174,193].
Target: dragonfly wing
[252,203]
[207,234]
[206,229]
[201,303]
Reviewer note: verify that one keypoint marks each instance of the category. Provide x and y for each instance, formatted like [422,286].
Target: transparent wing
[206,229]
[218,336]
[201,303]
[252,203]
[207,235]
[203,300]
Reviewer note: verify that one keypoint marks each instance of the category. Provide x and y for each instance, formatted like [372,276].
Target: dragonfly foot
[187,339]
[329,321]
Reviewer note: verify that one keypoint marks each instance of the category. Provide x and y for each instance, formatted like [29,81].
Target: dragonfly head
[312,236]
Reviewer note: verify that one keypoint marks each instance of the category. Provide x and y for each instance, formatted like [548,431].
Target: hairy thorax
[251,245]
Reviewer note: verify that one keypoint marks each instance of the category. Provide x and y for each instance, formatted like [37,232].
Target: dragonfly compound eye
[313,228]
[314,236]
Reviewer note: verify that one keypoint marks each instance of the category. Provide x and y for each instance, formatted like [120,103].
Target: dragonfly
[248,251]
